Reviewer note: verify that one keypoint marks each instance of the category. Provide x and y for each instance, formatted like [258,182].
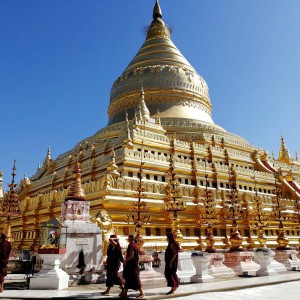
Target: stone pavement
[285,286]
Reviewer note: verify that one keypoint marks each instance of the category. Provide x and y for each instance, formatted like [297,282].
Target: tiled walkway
[280,287]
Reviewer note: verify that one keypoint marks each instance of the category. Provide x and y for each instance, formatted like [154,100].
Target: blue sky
[59,59]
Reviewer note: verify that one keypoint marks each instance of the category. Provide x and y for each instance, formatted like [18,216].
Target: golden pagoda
[160,100]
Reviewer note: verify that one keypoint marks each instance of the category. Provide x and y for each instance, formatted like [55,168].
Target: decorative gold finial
[48,158]
[157,27]
[284,155]
[157,11]
[143,109]
[10,205]
[273,156]
[158,117]
[112,167]
[128,141]
[13,174]
[76,191]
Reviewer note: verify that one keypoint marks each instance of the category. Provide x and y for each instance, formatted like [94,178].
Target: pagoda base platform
[242,263]
[217,269]
[51,277]
[288,258]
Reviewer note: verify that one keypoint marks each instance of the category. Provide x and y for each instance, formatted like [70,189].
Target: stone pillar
[264,257]
[201,261]
[185,268]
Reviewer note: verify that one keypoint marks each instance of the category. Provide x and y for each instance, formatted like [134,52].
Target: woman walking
[114,259]
[131,271]
[171,260]
[5,249]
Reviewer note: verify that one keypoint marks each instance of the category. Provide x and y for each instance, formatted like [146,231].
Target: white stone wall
[86,236]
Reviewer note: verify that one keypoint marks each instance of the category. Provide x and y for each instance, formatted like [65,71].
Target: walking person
[131,271]
[114,259]
[5,249]
[171,260]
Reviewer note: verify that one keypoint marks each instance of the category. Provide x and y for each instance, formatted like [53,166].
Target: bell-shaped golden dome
[171,84]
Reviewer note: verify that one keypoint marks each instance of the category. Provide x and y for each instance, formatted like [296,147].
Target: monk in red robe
[5,249]
[131,271]
[171,260]
[114,259]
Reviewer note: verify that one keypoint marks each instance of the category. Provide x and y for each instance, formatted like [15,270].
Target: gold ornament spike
[143,109]
[157,27]
[157,13]
[48,158]
[158,122]
[76,191]
[10,205]
[128,141]
[284,155]
[112,167]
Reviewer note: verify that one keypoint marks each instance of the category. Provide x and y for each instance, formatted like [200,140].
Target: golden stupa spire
[13,174]
[157,11]
[284,155]
[76,191]
[10,205]
[112,167]
[158,117]
[48,158]
[143,109]
[128,140]
[157,27]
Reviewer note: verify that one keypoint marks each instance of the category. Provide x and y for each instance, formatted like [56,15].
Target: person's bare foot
[172,291]
[123,294]
[105,293]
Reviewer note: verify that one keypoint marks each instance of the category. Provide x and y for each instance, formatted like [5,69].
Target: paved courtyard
[285,286]
[282,291]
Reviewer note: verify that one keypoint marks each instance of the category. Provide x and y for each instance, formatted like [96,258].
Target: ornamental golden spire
[157,11]
[143,109]
[76,191]
[10,205]
[112,167]
[48,158]
[157,27]
[284,155]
